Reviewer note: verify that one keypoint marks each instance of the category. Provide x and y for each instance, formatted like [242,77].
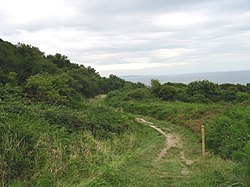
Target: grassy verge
[227,124]
[141,168]
[211,171]
[44,145]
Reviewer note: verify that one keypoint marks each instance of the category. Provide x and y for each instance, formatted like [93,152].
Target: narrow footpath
[172,140]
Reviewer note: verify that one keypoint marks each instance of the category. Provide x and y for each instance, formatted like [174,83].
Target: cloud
[170,53]
[28,12]
[135,66]
[178,20]
[135,37]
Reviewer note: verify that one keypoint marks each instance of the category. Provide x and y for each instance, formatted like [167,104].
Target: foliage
[200,92]
[48,88]
[102,126]
[244,157]
[26,65]
[227,126]
[139,94]
[52,136]
[206,88]
[230,132]
[25,71]
[41,144]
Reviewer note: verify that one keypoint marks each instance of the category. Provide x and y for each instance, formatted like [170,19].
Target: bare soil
[172,140]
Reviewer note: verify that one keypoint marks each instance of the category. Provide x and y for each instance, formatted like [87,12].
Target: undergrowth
[227,124]
[48,145]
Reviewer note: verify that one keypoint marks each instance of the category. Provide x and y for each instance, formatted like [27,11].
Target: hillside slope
[55,131]
[50,134]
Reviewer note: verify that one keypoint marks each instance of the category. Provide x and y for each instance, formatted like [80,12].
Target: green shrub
[242,96]
[243,156]
[139,94]
[228,133]
[51,89]
[199,98]
[16,151]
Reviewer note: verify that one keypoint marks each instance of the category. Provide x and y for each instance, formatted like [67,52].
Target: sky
[135,37]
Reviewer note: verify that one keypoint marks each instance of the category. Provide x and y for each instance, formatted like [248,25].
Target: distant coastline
[234,77]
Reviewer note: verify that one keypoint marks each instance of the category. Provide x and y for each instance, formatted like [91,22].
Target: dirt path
[172,140]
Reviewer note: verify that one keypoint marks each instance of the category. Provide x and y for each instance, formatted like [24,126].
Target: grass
[211,171]
[140,167]
[216,171]
[227,124]
[41,150]
[38,149]
[129,169]
[128,160]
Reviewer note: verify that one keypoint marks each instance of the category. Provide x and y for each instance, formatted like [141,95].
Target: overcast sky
[135,37]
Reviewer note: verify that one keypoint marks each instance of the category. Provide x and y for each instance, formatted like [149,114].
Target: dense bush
[102,122]
[49,133]
[177,112]
[244,157]
[139,94]
[16,151]
[200,92]
[41,144]
[49,89]
[45,76]
[227,126]
[230,132]
[32,151]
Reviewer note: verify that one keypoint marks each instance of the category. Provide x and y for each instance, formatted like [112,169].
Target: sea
[234,77]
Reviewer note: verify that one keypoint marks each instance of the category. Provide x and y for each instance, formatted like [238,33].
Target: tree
[155,87]
[209,89]
[12,78]
[116,82]
[139,94]
[85,82]
[24,60]
[228,92]
[48,88]
[242,96]
[61,61]
[168,93]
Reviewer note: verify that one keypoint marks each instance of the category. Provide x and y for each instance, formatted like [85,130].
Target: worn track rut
[172,140]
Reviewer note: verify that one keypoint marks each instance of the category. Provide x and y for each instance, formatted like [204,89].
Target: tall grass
[35,153]
[227,125]
[44,145]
